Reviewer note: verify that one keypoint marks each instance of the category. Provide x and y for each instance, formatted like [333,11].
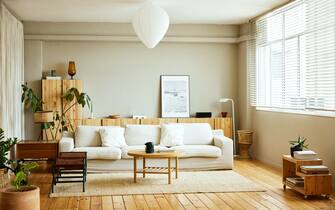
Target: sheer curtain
[11,74]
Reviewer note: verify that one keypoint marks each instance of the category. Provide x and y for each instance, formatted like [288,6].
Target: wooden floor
[273,198]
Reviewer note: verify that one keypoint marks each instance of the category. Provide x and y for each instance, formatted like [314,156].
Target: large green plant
[30,99]
[5,146]
[72,97]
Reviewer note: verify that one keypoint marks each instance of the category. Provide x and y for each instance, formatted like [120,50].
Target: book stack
[305,155]
[53,77]
[296,181]
[317,169]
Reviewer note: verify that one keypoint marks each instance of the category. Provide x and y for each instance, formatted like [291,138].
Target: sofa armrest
[226,145]
[66,144]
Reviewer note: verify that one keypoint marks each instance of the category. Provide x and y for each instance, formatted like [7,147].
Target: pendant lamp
[151,23]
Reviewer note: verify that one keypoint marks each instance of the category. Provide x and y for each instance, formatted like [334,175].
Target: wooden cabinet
[52,97]
[314,184]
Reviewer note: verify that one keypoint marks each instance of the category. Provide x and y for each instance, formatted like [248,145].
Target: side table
[70,167]
[314,184]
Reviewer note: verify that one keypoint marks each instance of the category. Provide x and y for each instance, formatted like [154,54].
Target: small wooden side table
[314,184]
[36,150]
[155,170]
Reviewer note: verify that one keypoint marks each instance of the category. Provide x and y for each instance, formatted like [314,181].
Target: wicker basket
[4,178]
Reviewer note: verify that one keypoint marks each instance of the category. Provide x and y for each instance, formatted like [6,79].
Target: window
[291,60]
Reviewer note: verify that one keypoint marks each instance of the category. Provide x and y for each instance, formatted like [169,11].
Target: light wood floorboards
[273,198]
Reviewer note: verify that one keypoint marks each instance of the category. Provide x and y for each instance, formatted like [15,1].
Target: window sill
[302,112]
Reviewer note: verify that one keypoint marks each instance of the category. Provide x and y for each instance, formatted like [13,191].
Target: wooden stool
[244,142]
[70,163]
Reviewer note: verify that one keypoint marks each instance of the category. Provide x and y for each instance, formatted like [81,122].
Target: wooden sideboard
[36,150]
[216,123]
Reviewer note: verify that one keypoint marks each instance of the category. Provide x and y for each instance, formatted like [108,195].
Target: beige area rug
[188,182]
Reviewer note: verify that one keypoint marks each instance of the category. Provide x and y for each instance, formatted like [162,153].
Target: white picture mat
[175,96]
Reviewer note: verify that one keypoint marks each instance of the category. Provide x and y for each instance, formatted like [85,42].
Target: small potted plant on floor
[298,145]
[5,147]
[21,195]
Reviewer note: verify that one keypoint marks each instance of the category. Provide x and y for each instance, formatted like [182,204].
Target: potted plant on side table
[298,145]
[21,195]
[5,147]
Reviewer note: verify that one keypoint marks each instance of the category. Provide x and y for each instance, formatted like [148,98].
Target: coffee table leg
[135,168]
[169,170]
[144,167]
[176,168]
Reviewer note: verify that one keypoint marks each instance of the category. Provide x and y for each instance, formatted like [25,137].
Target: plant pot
[4,178]
[295,148]
[29,199]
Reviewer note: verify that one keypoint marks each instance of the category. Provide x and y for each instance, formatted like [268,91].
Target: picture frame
[175,96]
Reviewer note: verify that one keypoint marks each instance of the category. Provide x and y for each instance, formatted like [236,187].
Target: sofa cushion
[140,134]
[125,150]
[107,153]
[88,136]
[112,137]
[198,151]
[172,135]
[197,134]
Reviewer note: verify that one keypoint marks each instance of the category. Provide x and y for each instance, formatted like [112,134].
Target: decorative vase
[4,178]
[295,148]
[28,199]
[149,147]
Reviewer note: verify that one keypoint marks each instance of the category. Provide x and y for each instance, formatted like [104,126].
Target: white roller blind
[291,61]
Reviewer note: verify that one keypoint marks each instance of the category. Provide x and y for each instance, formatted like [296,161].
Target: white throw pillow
[172,135]
[112,137]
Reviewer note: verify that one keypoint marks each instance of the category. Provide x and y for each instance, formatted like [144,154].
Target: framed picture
[175,95]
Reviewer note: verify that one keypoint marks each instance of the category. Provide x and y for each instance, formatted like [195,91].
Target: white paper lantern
[150,24]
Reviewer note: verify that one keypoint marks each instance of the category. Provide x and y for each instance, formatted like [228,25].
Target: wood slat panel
[96,122]
[126,121]
[158,121]
[111,122]
[76,111]
[52,101]
[225,124]
[210,121]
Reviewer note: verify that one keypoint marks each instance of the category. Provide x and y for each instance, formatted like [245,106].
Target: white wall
[124,77]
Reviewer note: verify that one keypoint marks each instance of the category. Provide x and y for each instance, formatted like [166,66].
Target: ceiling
[122,11]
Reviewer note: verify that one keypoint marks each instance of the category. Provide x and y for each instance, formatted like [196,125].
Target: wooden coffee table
[155,170]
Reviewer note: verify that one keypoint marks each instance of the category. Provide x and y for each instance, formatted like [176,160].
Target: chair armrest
[226,146]
[66,144]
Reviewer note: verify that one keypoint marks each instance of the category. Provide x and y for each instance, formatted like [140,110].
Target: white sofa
[203,149]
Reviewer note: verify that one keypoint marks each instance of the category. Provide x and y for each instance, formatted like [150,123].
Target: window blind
[291,60]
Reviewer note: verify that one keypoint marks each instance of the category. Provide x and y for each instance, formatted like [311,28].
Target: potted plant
[21,195]
[34,102]
[298,145]
[5,147]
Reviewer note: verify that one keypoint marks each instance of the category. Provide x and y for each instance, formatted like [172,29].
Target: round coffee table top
[141,153]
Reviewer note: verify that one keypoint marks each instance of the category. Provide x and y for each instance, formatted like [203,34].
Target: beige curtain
[11,74]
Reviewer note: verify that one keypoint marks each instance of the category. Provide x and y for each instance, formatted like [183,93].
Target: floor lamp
[224,100]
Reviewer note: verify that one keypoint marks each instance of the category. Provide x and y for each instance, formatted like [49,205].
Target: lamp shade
[72,69]
[43,116]
[150,24]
